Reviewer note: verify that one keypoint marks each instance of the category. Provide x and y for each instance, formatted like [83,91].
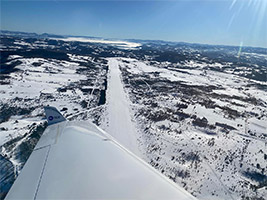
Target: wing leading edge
[77,160]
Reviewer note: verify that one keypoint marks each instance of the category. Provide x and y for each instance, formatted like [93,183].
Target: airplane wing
[77,160]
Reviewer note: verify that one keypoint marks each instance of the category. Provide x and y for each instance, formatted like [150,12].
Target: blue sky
[227,22]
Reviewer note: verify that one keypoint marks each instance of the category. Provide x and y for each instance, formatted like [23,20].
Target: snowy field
[225,149]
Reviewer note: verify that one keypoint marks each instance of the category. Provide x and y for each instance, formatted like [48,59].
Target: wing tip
[53,116]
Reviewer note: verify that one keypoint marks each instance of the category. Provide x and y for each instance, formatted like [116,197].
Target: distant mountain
[47,35]
[29,35]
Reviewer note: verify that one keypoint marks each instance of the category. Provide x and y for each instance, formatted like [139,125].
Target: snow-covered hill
[196,113]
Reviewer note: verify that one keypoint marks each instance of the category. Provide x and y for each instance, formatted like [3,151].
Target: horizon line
[70,35]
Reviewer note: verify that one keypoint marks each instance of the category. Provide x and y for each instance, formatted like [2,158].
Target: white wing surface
[77,160]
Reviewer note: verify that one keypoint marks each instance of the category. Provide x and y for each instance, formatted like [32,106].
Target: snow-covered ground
[212,152]
[119,122]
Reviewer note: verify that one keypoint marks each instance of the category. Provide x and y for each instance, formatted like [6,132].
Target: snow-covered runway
[120,124]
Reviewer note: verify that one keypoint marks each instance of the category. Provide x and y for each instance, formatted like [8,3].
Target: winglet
[53,116]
